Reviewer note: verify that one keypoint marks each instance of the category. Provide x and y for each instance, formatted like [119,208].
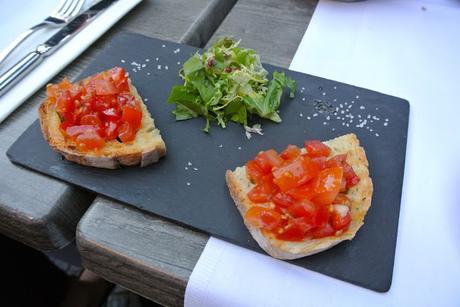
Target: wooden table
[139,251]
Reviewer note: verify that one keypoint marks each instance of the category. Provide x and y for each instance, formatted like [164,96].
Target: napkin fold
[404,48]
[53,64]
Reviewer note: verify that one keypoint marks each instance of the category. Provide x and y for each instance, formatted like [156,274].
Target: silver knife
[27,63]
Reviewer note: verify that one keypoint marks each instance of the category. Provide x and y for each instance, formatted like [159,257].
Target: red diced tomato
[126,133]
[341,217]
[282,199]
[295,173]
[262,192]
[268,159]
[295,230]
[327,185]
[321,232]
[104,86]
[132,116]
[291,152]
[254,171]
[349,174]
[264,218]
[90,119]
[111,130]
[316,148]
[89,141]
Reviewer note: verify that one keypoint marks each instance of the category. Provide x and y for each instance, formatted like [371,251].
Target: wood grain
[145,253]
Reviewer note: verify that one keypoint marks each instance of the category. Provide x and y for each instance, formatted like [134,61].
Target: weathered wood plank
[272,27]
[145,253]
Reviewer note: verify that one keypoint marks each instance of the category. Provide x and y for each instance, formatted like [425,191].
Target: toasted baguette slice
[360,196]
[146,148]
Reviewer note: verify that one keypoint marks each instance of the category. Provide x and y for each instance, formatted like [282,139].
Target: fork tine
[75,7]
[64,5]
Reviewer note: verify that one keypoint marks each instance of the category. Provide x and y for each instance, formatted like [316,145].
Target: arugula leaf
[228,83]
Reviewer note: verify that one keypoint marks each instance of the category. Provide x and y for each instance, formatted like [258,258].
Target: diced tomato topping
[89,141]
[291,152]
[268,159]
[132,116]
[283,200]
[262,192]
[308,192]
[264,218]
[126,133]
[316,148]
[295,173]
[341,217]
[322,232]
[254,171]
[327,185]
[98,109]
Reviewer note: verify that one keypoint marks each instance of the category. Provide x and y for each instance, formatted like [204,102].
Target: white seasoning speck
[301,115]
[156,59]
[352,101]
[341,105]
[163,45]
[342,112]
[359,115]
[385,124]
[239,147]
[343,124]
[303,88]
[362,124]
[377,134]
[186,168]
[220,146]
[147,60]
[335,87]
[158,67]
[308,117]
[189,163]
[333,129]
[386,119]
[357,97]
[189,184]
[324,93]
[328,117]
[123,61]
[375,117]
[146,99]
[335,100]
[348,125]
[178,63]
[195,168]
[303,99]
[166,67]
[143,65]
[362,107]
[315,114]
[148,74]
[134,70]
[324,123]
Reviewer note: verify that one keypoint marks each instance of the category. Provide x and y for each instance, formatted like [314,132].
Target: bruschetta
[100,121]
[304,200]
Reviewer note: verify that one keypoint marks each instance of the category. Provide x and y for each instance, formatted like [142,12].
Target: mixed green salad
[228,83]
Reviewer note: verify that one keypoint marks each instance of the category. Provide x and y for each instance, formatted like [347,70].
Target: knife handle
[16,73]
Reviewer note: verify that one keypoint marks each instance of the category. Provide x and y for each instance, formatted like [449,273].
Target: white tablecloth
[409,49]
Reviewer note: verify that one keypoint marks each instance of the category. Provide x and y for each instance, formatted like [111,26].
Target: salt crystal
[335,87]
[308,117]
[385,124]
[239,147]
[195,169]
[341,105]
[178,63]
[189,163]
[143,65]
[123,61]
[303,99]
[362,124]
[163,45]
[220,146]
[376,134]
[324,93]
[166,67]
[158,66]
[324,123]
[301,115]
[316,114]
[357,97]
[147,60]
[328,117]
[148,74]
[362,107]
[186,168]
[156,59]
[189,184]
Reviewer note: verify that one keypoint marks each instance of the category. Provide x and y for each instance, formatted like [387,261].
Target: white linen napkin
[405,48]
[16,19]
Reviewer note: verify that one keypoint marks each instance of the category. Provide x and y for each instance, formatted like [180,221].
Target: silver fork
[60,16]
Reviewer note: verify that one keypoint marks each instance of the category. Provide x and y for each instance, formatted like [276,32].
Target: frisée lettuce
[228,83]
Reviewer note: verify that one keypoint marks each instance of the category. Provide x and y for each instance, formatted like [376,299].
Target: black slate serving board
[188,185]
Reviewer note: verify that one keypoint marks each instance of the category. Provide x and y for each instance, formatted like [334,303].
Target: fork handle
[16,73]
[18,40]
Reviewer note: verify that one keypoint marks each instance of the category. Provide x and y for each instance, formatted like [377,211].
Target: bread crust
[360,196]
[114,154]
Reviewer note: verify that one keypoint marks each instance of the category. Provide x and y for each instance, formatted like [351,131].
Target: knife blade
[26,64]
